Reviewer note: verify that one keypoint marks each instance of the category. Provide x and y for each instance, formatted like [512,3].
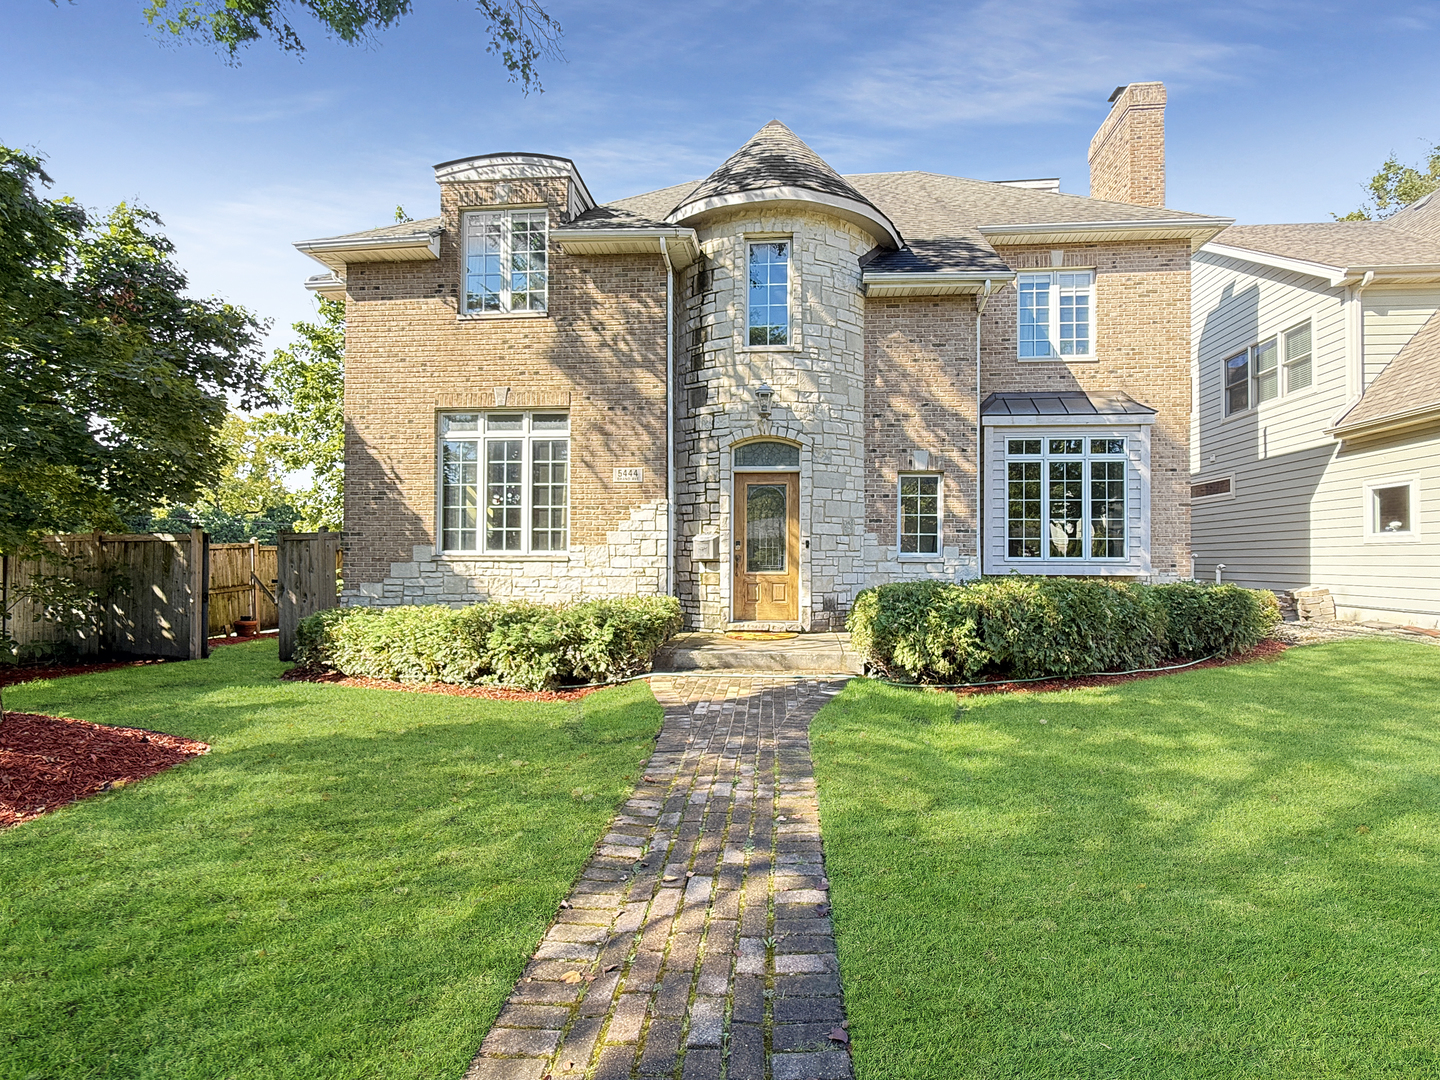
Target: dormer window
[506,262]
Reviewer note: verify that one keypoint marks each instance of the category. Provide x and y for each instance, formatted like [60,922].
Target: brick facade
[599,353]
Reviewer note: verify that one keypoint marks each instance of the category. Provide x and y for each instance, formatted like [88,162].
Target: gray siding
[1392,317]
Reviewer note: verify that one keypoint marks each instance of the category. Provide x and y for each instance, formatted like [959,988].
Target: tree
[520,31]
[308,381]
[1396,186]
[113,383]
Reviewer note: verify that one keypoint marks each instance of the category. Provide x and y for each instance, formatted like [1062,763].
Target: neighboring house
[1316,449]
[760,391]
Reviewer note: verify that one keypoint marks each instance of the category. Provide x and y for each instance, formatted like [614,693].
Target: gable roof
[1421,217]
[1408,389]
[1338,244]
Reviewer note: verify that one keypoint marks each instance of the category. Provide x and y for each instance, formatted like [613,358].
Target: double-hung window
[1056,314]
[506,261]
[769,295]
[1065,498]
[1273,368]
[505,482]
[919,514]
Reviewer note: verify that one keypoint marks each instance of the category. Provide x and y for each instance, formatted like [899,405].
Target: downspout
[669,420]
[980,303]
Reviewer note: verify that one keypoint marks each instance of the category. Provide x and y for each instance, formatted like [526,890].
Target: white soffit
[857,213]
[1334,275]
[938,283]
[337,251]
[1196,230]
[328,285]
[679,243]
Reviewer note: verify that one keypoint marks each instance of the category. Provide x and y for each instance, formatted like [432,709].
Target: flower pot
[247,627]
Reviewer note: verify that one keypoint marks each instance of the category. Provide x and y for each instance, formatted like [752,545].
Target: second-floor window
[769,299]
[1269,369]
[506,262]
[1056,314]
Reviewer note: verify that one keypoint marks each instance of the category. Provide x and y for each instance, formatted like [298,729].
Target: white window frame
[1054,303]
[792,336]
[1086,457]
[1370,510]
[506,218]
[1282,370]
[920,556]
[528,436]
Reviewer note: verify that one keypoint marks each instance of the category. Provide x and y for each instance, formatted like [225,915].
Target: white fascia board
[1197,229]
[938,283]
[1333,275]
[336,252]
[1035,420]
[1403,273]
[1395,421]
[682,244]
[330,285]
[516,167]
[858,213]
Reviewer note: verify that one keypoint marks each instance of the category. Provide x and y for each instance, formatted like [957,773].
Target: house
[1316,449]
[768,389]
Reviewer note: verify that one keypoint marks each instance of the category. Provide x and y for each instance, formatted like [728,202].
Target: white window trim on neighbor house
[1371,526]
[474,226]
[792,336]
[1060,285]
[469,437]
[937,533]
[1285,365]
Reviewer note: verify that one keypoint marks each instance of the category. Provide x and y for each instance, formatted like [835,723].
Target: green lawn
[346,886]
[1224,873]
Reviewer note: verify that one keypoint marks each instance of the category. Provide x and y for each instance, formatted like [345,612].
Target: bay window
[1066,498]
[505,482]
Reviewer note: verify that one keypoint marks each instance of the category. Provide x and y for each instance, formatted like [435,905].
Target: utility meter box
[705,547]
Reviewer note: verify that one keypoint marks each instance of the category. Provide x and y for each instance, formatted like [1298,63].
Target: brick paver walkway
[697,943]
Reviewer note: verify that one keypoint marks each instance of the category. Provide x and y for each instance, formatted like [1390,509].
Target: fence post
[254,582]
[198,629]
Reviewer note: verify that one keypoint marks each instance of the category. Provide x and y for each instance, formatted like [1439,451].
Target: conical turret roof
[775,164]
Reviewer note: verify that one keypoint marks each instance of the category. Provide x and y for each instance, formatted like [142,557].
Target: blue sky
[1278,111]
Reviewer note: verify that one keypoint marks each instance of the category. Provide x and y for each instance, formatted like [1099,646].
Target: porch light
[764,395]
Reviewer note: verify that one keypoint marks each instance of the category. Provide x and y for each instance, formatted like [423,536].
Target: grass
[346,886]
[1224,873]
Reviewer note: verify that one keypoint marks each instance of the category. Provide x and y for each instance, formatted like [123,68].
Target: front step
[827,653]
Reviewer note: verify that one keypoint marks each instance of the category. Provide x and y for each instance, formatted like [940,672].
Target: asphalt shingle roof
[1337,243]
[1409,382]
[1421,217]
[773,157]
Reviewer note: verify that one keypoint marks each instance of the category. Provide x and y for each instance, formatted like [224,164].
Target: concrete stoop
[827,653]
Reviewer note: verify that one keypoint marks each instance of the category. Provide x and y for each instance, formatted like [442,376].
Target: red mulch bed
[1266,650]
[493,693]
[48,761]
[12,676]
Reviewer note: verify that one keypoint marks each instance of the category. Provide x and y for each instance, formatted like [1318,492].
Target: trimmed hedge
[1028,627]
[521,644]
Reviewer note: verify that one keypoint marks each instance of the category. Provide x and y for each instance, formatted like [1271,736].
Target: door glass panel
[764,528]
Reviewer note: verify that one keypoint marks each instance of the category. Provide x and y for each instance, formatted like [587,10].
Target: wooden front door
[767,547]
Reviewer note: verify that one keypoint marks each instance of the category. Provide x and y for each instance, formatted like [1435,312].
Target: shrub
[1027,627]
[521,644]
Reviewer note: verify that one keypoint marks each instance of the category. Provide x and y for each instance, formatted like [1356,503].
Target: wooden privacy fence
[133,595]
[309,572]
[243,579]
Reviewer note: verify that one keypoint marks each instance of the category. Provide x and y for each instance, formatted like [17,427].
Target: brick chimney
[1127,155]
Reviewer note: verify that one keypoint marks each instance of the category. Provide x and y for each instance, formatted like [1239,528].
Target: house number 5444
[631,475]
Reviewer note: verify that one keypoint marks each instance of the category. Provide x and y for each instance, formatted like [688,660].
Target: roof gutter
[922,283]
[338,251]
[1198,230]
[1421,414]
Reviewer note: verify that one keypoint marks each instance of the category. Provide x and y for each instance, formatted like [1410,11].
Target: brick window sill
[487,316]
